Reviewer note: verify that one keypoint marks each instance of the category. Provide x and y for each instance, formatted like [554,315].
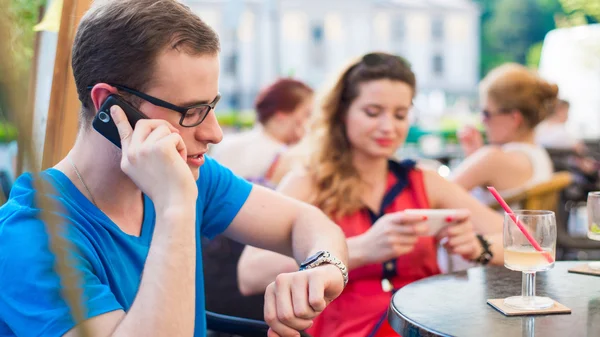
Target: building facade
[312,39]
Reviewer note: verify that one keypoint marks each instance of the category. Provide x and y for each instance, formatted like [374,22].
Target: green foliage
[237,119]
[8,133]
[513,30]
[534,54]
[589,8]
[25,15]
[20,17]
[511,27]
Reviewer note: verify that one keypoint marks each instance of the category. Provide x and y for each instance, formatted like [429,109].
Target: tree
[511,27]
[590,9]
[24,14]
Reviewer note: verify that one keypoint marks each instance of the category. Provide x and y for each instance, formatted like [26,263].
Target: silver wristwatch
[322,257]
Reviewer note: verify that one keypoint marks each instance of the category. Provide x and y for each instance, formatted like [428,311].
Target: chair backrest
[543,196]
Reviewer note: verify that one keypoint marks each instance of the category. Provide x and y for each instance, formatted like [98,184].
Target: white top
[248,154]
[542,171]
[554,135]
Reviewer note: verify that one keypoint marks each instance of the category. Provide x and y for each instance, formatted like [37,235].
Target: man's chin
[195,172]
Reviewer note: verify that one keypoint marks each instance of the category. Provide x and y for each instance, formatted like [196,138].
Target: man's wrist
[325,257]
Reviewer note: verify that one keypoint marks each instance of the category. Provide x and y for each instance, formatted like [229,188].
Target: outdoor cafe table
[455,304]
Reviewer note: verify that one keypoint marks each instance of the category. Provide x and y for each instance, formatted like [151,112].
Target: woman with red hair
[283,109]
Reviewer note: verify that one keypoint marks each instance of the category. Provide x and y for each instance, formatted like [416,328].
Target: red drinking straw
[519,224]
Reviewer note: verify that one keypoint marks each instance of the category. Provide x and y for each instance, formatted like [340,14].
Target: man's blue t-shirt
[109,261]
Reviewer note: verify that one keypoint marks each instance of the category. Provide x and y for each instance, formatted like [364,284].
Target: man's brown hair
[118,42]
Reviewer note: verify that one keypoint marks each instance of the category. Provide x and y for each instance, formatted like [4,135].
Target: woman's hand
[470,139]
[459,237]
[392,235]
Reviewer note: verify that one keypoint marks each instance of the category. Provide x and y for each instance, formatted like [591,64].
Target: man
[135,215]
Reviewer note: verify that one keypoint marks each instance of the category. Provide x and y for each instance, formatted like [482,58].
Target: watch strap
[327,257]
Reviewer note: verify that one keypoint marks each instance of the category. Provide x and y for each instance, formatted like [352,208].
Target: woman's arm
[446,194]
[478,168]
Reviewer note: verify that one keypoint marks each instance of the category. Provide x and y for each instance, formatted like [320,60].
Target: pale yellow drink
[526,259]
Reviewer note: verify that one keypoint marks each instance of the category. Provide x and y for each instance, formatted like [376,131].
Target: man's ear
[100,92]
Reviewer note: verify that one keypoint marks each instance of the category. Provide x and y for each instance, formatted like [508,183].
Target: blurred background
[451,45]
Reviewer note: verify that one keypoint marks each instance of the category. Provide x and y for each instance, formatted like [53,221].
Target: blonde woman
[515,100]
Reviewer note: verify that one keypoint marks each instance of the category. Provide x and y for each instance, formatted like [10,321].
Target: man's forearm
[166,300]
[270,265]
[314,231]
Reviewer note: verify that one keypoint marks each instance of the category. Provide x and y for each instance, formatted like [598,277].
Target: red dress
[360,310]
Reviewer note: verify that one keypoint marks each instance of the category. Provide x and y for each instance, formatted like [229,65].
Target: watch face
[313,258]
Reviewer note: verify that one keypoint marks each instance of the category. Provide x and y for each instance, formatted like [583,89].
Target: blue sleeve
[31,302]
[223,194]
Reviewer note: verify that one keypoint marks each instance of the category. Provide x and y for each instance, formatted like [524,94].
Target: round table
[456,304]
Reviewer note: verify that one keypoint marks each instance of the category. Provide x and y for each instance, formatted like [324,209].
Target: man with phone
[134,214]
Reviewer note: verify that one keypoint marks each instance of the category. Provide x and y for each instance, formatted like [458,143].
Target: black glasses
[190,116]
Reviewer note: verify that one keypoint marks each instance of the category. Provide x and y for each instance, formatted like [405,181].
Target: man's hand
[295,299]
[154,157]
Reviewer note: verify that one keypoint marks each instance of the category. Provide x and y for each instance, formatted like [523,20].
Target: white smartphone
[437,219]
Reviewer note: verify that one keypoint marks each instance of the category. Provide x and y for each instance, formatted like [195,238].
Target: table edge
[403,325]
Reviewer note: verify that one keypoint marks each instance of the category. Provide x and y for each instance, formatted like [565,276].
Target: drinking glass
[593,211]
[520,254]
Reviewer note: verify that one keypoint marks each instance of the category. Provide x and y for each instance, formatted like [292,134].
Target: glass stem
[529,326]
[528,284]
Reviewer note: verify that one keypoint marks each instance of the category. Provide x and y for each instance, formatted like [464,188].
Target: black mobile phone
[105,125]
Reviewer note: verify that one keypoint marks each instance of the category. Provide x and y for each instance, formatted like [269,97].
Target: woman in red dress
[350,175]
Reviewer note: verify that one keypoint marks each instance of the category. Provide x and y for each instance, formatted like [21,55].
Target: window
[246,27]
[294,26]
[231,63]
[381,27]
[317,33]
[398,28]
[437,29]
[333,27]
[438,65]
[317,52]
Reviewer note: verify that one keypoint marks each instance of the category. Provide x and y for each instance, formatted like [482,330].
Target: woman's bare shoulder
[299,184]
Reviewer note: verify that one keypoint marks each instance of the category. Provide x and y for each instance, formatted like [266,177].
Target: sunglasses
[487,115]
[190,116]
